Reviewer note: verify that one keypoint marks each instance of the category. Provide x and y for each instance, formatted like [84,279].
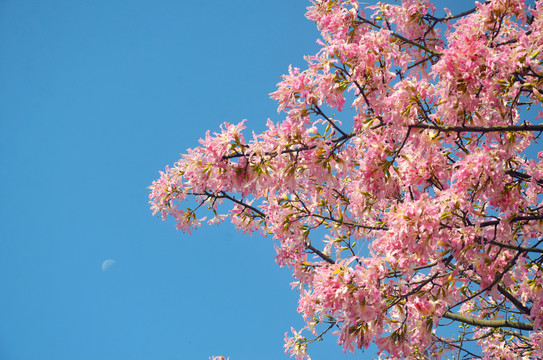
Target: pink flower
[415,206]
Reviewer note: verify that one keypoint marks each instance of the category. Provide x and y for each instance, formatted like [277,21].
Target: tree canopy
[403,187]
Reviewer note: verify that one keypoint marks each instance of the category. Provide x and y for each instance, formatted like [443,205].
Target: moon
[107,264]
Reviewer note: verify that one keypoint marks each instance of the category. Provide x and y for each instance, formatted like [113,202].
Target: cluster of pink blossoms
[429,192]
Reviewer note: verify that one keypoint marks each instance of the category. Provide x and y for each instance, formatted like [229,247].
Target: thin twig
[482,129]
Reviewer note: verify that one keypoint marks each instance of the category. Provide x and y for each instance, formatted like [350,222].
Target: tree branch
[482,129]
[452,17]
[320,254]
[518,248]
[513,220]
[319,112]
[295,150]
[489,323]
[402,38]
[262,215]
[522,176]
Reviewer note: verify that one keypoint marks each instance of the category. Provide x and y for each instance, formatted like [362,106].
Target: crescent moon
[107,264]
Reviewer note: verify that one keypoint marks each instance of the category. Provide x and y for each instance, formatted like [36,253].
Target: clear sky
[95,98]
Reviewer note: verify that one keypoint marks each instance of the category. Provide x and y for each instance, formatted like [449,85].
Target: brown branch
[459,347]
[515,219]
[522,176]
[394,273]
[322,255]
[496,281]
[319,112]
[517,303]
[489,323]
[402,38]
[224,195]
[482,129]
[290,151]
[239,202]
[518,248]
[512,333]
[347,223]
[452,17]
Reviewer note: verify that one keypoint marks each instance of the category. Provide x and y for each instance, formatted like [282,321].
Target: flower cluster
[430,202]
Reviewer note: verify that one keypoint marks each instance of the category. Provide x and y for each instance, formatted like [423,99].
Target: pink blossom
[420,213]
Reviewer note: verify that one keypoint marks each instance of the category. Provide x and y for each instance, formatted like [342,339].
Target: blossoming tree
[413,219]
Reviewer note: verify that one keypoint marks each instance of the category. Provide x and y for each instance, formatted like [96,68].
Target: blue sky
[95,98]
